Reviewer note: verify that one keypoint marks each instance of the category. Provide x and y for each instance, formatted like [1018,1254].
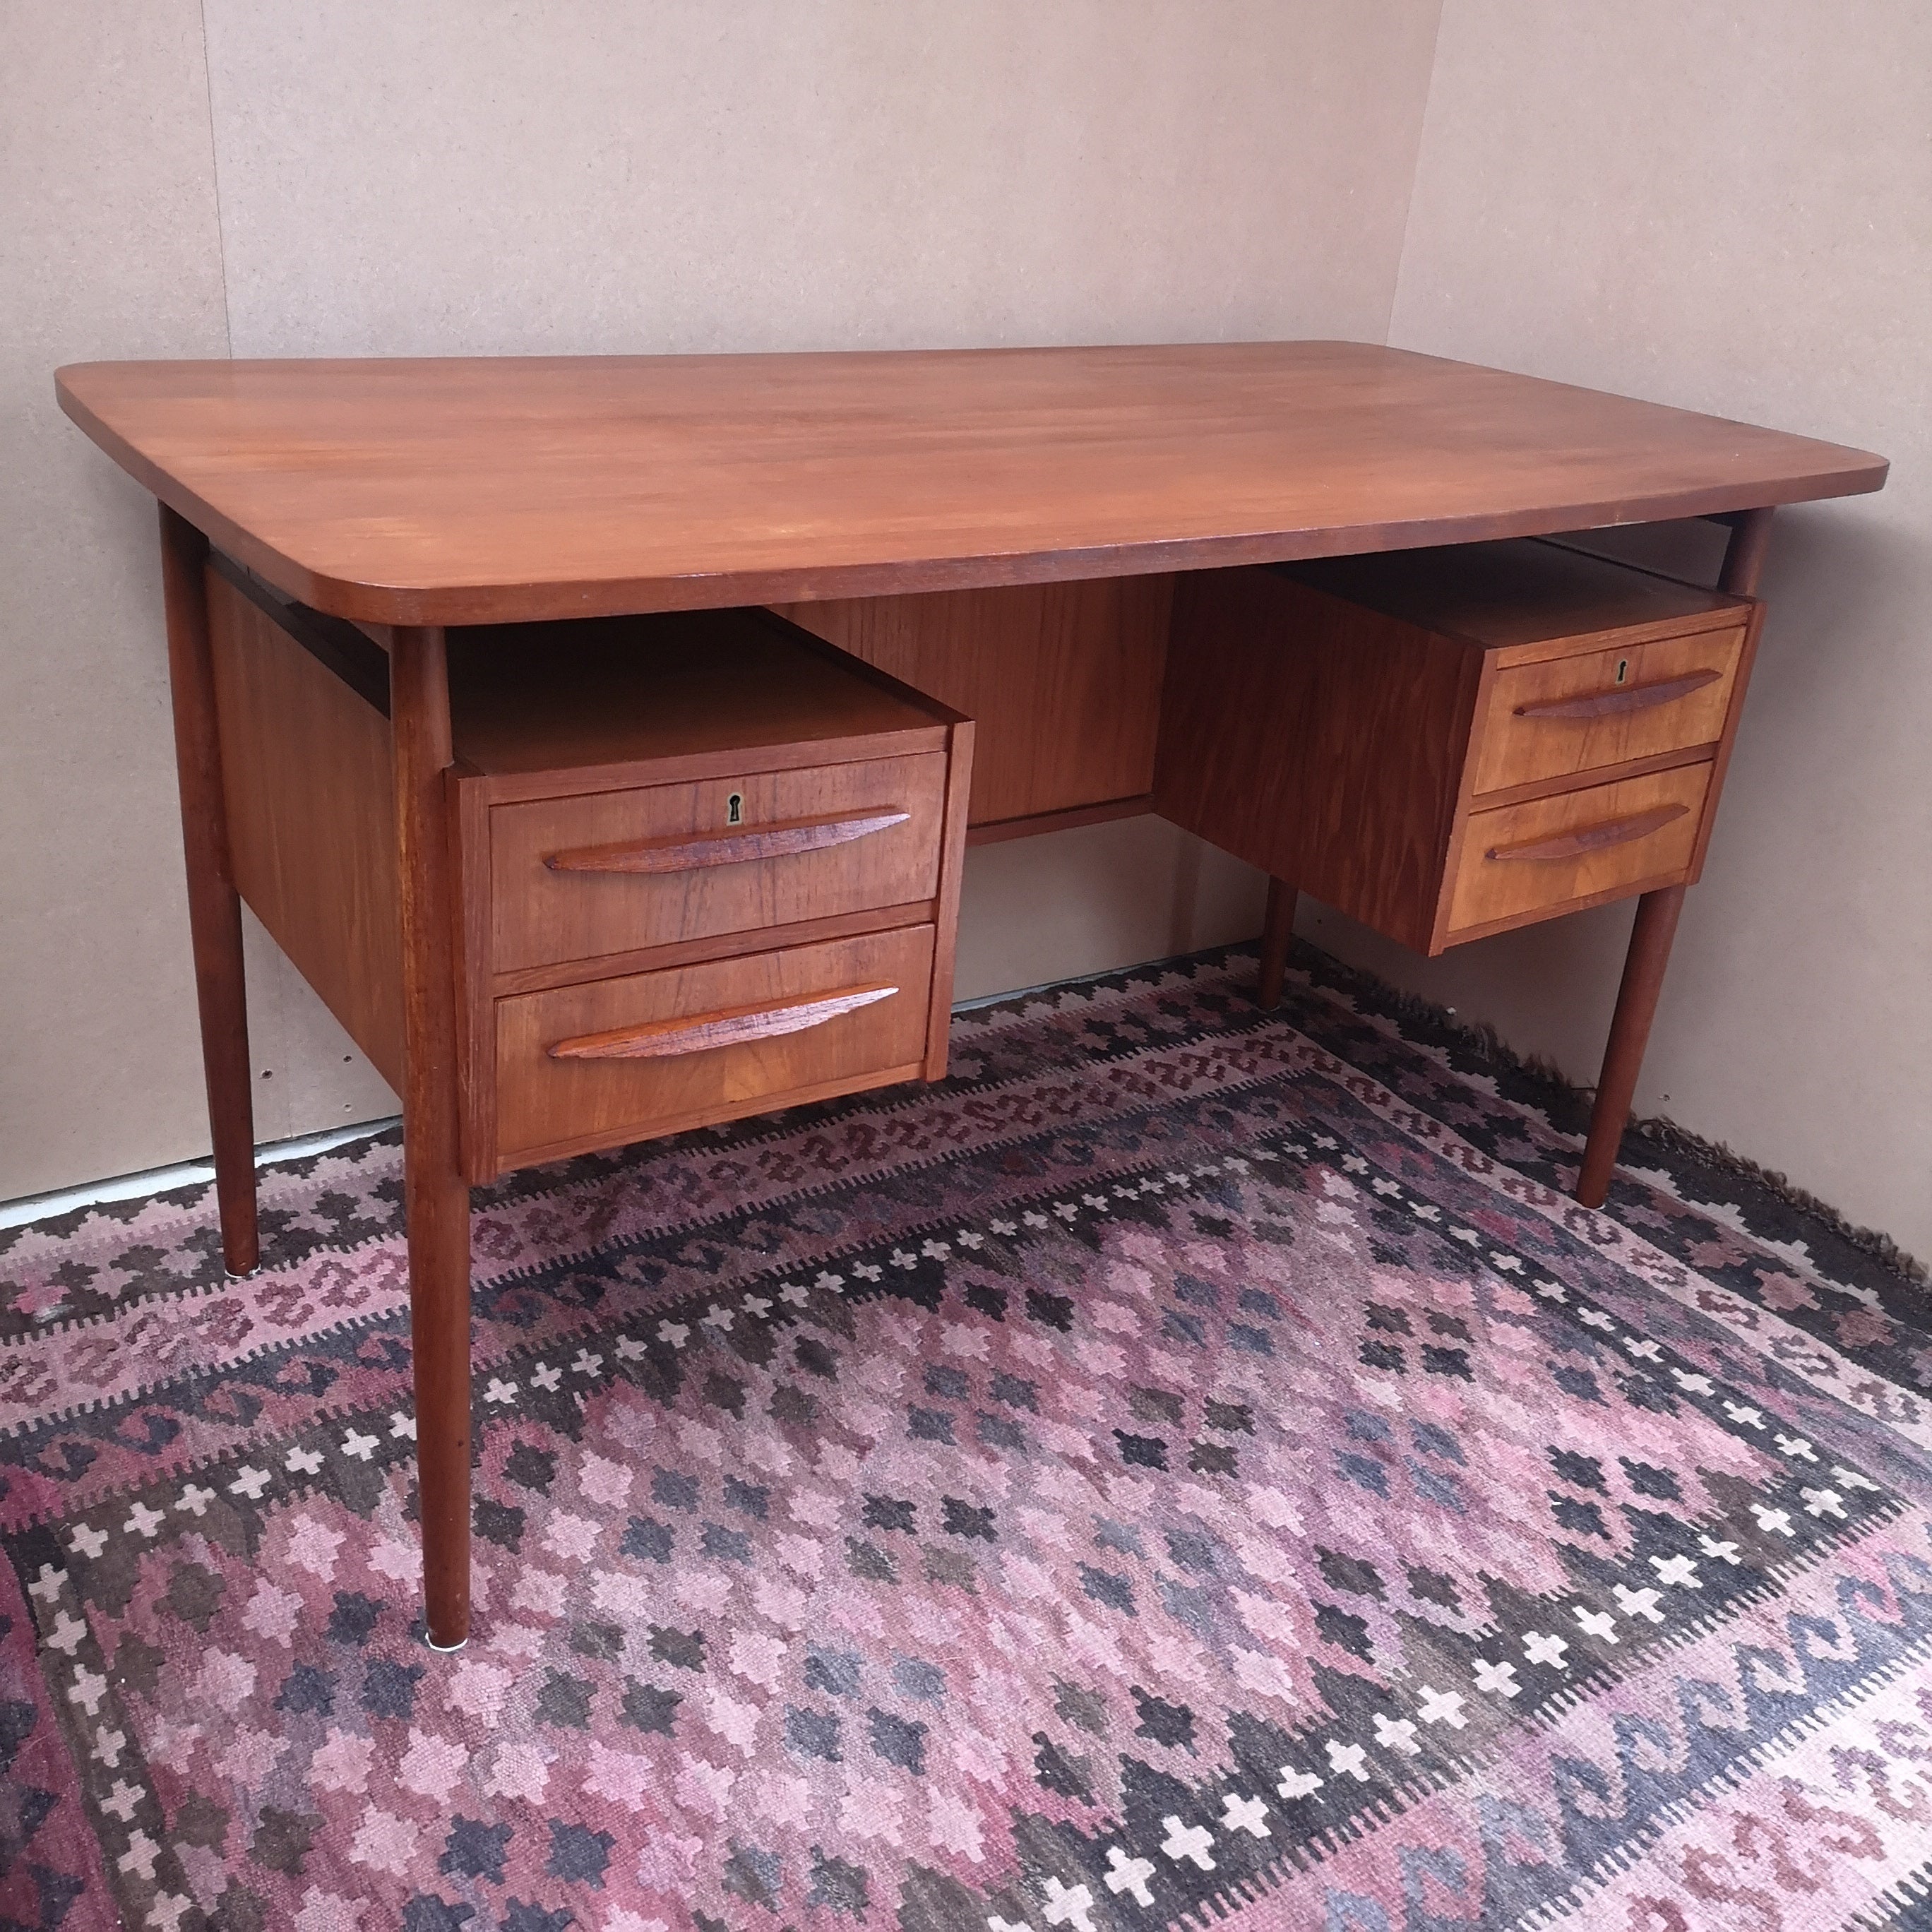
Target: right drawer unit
[1446,743]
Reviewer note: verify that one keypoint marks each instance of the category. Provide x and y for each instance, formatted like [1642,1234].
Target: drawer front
[649,1053]
[576,878]
[1550,852]
[1579,714]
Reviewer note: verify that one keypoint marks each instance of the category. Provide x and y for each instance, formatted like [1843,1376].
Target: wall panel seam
[214,181]
[1415,173]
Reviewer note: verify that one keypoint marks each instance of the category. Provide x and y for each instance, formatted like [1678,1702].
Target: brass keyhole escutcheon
[1623,669]
[734,805]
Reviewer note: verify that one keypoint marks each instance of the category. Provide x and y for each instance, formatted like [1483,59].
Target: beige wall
[109,245]
[190,180]
[1730,208]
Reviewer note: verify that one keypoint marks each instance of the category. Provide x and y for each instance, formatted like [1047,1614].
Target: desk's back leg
[1277,935]
[436,1196]
[214,909]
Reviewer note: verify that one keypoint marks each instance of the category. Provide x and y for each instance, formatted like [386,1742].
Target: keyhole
[734,805]
[1623,669]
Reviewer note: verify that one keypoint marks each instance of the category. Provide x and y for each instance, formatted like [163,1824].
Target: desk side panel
[307,770]
[1063,682]
[1318,740]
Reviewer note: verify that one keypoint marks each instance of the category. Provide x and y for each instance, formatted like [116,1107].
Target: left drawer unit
[708,865]
[1446,743]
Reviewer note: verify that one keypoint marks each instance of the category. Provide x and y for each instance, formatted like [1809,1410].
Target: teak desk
[330,530]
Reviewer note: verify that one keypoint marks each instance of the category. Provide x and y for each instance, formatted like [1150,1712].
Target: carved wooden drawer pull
[1591,837]
[691,852]
[1612,702]
[663,1040]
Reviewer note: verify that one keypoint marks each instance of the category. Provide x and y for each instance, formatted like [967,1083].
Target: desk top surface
[487,489]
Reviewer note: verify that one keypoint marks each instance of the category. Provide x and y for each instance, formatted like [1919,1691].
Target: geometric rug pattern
[1190,1466]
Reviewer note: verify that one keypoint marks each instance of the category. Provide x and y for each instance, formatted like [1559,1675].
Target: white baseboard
[183,1174]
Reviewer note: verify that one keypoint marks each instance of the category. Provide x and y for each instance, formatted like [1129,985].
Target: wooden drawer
[1601,842]
[1566,714]
[615,871]
[619,1060]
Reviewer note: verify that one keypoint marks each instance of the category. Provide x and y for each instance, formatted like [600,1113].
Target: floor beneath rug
[1189,1463]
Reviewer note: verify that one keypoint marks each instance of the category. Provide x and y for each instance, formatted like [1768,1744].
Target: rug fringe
[1566,1098]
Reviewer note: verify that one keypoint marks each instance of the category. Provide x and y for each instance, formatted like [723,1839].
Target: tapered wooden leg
[214,909]
[1745,554]
[1630,1030]
[435,1198]
[1277,935]
[1656,927]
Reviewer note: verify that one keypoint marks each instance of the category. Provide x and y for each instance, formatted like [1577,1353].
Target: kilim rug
[1189,1465]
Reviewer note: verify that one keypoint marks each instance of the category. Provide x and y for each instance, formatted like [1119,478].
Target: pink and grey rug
[1190,1465]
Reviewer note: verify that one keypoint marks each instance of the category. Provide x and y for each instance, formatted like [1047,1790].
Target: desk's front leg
[214,908]
[436,1196]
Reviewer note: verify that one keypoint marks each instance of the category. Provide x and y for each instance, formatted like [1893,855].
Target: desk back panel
[1063,680]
